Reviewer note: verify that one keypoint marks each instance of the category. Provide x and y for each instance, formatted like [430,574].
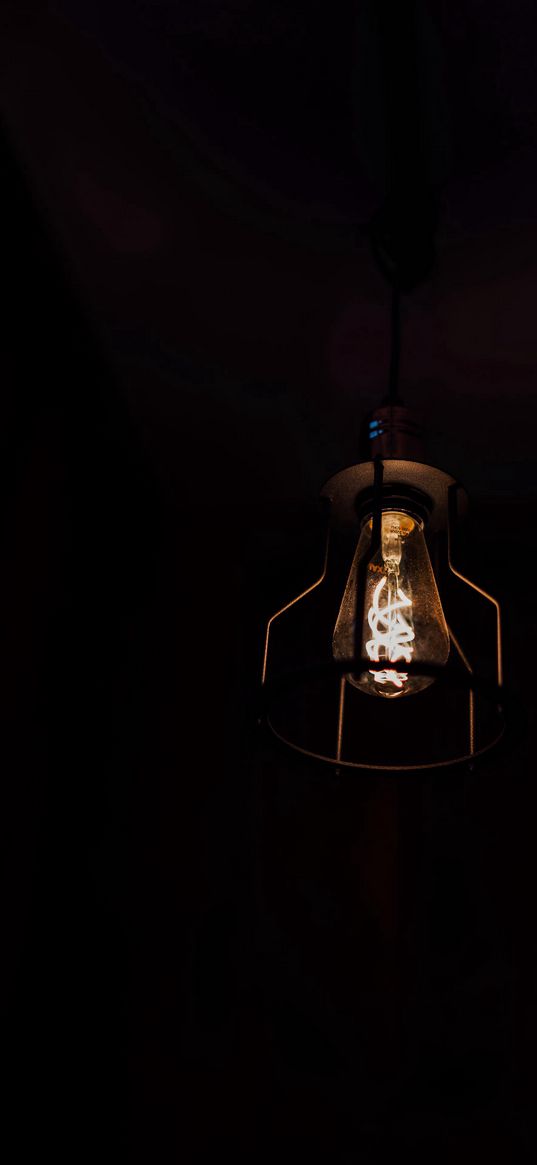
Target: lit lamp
[402,616]
[368,666]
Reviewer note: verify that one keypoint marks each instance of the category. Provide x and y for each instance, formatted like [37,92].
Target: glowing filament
[392,632]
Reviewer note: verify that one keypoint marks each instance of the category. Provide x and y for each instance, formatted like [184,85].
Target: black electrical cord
[395,349]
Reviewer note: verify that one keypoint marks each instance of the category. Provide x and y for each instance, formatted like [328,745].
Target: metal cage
[469,699]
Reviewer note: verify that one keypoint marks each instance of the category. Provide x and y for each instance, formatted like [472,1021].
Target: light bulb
[403,620]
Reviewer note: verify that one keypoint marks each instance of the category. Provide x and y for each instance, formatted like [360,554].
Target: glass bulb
[403,618]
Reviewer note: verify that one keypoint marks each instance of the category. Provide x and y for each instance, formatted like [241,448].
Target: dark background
[209,947]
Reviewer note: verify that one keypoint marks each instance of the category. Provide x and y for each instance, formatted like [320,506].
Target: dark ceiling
[293,966]
[208,170]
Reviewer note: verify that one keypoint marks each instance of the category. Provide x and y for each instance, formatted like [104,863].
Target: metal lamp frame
[444,494]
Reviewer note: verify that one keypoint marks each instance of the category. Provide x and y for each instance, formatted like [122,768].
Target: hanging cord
[395,351]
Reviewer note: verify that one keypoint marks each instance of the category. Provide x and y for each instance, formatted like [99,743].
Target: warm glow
[392,631]
[402,618]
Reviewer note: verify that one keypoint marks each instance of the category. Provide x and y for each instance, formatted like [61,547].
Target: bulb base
[407,499]
[425,486]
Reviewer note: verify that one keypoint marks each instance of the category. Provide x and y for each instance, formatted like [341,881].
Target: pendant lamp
[392,658]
